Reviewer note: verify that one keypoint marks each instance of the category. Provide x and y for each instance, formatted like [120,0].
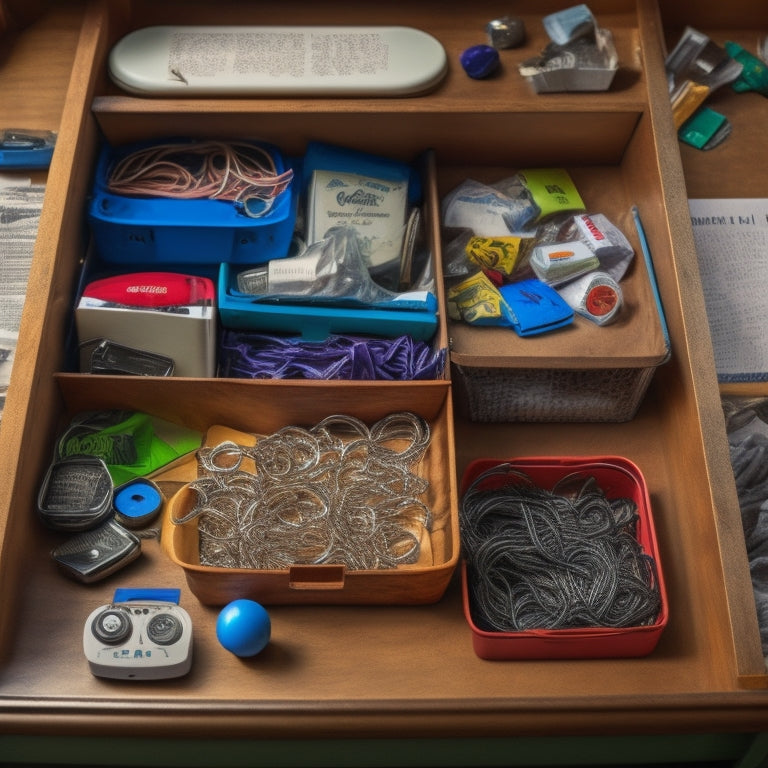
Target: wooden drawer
[393,671]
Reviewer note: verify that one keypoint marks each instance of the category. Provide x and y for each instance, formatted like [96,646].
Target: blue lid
[137,502]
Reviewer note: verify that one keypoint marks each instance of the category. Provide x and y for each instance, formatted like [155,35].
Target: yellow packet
[502,254]
[476,300]
[690,97]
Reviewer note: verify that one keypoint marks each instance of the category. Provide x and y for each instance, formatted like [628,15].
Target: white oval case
[277,61]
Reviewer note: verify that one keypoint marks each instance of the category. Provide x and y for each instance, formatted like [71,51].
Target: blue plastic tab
[26,158]
[648,258]
[160,595]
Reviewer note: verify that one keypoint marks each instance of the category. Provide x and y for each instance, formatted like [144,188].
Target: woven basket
[546,394]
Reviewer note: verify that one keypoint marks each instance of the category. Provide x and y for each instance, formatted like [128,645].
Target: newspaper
[731,237]
[20,206]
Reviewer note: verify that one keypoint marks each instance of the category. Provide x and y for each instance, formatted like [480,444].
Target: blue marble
[480,61]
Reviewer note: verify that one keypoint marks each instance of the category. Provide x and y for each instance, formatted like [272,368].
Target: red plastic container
[618,478]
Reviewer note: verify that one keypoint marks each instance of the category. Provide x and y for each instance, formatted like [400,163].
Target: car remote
[138,640]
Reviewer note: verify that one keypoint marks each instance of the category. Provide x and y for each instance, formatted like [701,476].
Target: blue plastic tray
[314,322]
[151,230]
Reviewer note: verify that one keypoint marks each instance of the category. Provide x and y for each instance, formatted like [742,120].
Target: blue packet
[536,307]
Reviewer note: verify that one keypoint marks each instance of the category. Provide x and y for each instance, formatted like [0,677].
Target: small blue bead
[479,61]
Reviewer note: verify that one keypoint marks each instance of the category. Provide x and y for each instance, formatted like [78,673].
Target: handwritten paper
[731,237]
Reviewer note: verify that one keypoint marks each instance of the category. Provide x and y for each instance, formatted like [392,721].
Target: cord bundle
[540,560]
[238,171]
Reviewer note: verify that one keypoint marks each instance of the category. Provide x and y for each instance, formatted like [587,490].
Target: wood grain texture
[385,670]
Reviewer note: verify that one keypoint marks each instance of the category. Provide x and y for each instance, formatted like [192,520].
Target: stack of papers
[731,237]
[20,206]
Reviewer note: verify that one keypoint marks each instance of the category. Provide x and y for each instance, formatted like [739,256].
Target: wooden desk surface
[35,74]
[329,672]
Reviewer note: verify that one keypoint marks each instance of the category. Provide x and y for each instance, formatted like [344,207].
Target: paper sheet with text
[731,237]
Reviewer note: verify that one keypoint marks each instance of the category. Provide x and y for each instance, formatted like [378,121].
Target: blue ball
[480,61]
[243,627]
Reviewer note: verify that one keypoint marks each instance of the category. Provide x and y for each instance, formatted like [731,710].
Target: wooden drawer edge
[750,663]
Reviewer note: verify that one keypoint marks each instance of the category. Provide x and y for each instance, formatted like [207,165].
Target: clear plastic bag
[331,271]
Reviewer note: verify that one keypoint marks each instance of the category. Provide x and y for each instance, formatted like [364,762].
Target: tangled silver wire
[540,560]
[339,492]
[236,171]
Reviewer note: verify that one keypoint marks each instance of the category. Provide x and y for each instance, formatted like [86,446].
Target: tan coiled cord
[219,170]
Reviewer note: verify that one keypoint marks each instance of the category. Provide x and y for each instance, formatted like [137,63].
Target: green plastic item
[132,444]
[705,129]
[754,75]
[552,190]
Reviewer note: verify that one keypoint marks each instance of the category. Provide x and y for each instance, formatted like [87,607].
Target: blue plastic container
[315,322]
[153,230]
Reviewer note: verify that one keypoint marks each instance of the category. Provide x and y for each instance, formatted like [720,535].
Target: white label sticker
[288,54]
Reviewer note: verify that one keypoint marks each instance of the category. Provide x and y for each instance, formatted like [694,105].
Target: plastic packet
[513,205]
[485,210]
[594,230]
[696,67]
[586,62]
[476,301]
[131,444]
[557,263]
[570,24]
[331,271]
[705,129]
[754,73]
[455,261]
[552,190]
[505,256]
[604,239]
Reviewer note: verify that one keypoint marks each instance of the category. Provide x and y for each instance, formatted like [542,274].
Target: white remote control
[138,640]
